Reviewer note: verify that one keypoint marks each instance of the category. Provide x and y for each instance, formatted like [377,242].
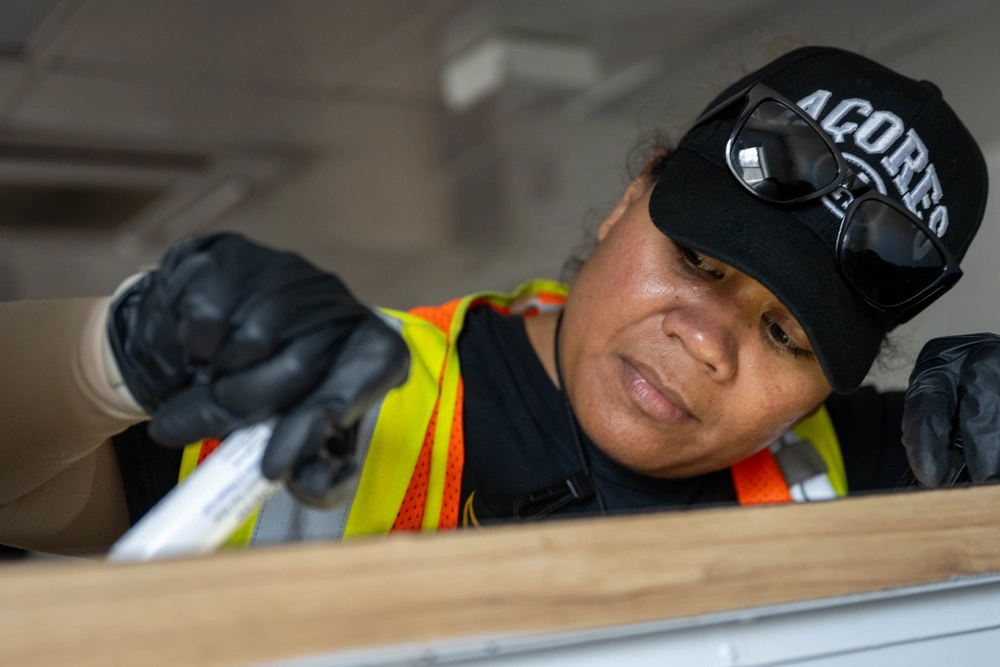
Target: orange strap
[758,480]
[440,316]
[208,445]
[453,470]
[411,512]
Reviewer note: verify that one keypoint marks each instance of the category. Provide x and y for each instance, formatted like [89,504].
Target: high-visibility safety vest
[411,445]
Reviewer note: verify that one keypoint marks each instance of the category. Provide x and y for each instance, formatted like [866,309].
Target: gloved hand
[954,392]
[227,333]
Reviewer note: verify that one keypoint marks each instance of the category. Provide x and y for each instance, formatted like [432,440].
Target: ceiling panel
[69,104]
[413,73]
[203,116]
[12,77]
[315,41]
[21,21]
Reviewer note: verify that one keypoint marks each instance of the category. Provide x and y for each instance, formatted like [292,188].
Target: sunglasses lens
[886,256]
[781,156]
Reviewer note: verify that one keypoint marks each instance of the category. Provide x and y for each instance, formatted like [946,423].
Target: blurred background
[422,149]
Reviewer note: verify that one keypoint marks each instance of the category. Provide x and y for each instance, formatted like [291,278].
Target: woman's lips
[644,387]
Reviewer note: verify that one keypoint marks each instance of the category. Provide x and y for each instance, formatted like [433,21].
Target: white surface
[953,623]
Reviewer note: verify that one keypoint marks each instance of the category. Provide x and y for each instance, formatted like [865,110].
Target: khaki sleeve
[81,511]
[57,408]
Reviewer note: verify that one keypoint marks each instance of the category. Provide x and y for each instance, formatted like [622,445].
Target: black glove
[954,395]
[227,333]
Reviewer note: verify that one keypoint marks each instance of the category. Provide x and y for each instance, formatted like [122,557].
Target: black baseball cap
[898,132]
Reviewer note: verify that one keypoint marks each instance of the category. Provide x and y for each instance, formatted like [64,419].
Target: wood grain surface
[308,599]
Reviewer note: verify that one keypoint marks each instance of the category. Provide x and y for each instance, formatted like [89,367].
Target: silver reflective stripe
[803,468]
[799,461]
[284,519]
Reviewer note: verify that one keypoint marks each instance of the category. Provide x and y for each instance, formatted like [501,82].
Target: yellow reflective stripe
[189,461]
[241,538]
[399,432]
[445,420]
[442,439]
[536,286]
[818,429]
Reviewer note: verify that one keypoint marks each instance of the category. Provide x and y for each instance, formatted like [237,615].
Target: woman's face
[677,364]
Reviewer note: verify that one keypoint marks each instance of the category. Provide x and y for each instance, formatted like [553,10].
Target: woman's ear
[633,192]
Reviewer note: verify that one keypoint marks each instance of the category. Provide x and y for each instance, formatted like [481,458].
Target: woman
[742,278]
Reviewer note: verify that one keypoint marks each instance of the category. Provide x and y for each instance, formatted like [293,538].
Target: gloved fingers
[927,431]
[267,321]
[979,413]
[191,415]
[297,438]
[372,361]
[181,251]
[281,381]
[324,482]
[947,353]
[221,406]
[203,307]
[210,280]
[288,274]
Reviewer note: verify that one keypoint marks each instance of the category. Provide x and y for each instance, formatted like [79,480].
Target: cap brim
[701,205]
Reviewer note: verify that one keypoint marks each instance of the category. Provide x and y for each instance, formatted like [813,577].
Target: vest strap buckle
[539,504]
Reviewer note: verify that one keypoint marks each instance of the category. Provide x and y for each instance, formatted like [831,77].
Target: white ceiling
[319,72]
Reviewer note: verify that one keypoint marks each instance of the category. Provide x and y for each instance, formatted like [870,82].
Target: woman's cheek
[787,407]
[752,416]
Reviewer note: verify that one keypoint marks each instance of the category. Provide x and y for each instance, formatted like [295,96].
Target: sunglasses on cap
[888,255]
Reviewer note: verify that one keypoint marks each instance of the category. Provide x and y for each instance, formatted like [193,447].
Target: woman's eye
[782,339]
[699,263]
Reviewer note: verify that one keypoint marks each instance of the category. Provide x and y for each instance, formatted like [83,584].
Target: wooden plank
[572,575]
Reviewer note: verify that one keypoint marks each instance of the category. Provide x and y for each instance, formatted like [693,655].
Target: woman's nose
[708,337]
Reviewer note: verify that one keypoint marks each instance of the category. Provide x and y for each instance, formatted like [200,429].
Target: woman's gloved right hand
[226,333]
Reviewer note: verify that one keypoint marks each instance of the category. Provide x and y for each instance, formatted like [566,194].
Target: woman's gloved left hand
[954,394]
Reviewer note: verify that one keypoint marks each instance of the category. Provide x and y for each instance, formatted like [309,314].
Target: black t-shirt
[148,470]
[518,440]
